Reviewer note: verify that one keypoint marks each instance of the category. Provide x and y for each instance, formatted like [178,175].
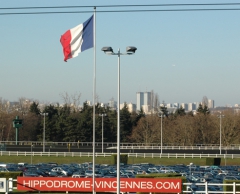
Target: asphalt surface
[61,148]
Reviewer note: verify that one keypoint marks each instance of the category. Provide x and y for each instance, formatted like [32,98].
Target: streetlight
[220,116]
[190,166]
[102,115]
[31,152]
[44,115]
[161,114]
[129,51]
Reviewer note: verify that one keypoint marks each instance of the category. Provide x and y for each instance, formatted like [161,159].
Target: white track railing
[205,185]
[141,155]
[126,145]
[175,148]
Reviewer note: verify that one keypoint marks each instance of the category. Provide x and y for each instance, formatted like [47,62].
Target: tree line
[65,124]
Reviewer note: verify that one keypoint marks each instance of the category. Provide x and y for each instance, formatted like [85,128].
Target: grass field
[107,160]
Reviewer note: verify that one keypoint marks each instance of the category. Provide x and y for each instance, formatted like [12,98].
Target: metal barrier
[98,154]
[10,188]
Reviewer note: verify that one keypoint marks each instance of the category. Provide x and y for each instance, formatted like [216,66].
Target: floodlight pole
[31,152]
[102,115]
[108,50]
[44,128]
[161,134]
[118,128]
[220,141]
[161,115]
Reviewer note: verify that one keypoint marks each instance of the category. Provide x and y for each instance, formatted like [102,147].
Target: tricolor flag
[77,39]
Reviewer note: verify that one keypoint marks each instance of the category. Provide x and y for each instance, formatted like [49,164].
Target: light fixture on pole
[220,116]
[102,115]
[44,115]
[129,51]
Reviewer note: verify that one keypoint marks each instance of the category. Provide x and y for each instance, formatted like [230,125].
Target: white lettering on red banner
[101,184]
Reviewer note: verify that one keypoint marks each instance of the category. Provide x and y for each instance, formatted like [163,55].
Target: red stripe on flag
[65,41]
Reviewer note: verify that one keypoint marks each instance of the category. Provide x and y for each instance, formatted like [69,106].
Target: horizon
[181,55]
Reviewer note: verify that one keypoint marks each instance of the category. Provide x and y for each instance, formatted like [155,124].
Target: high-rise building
[131,107]
[147,98]
[140,101]
[197,104]
[146,108]
[210,103]
[191,106]
[184,106]
[143,98]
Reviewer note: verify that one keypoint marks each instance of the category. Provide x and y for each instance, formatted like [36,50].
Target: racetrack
[124,149]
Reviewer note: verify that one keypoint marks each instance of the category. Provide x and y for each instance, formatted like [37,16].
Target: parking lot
[194,174]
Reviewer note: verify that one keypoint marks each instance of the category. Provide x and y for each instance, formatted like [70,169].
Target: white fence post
[10,185]
[206,187]
[234,187]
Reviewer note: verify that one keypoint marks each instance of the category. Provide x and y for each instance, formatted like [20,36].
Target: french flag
[77,39]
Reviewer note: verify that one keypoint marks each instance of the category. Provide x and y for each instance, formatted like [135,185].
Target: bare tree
[205,128]
[23,105]
[187,133]
[147,130]
[72,101]
[5,106]
[230,128]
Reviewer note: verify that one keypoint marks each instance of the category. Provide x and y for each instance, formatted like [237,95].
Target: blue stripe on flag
[87,34]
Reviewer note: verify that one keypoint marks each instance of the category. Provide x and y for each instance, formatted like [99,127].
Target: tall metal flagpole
[118,127]
[94,96]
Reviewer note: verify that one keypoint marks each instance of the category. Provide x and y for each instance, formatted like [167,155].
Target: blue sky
[181,56]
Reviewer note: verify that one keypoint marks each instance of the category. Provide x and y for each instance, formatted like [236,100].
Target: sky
[181,55]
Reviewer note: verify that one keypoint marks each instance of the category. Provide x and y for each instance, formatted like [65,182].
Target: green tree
[136,116]
[34,108]
[85,124]
[180,112]
[125,124]
[31,127]
[164,110]
[111,123]
[63,124]
[203,109]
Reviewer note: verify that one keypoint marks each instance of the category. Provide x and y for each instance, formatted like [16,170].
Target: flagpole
[94,97]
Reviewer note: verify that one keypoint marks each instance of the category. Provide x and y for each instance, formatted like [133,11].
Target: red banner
[101,184]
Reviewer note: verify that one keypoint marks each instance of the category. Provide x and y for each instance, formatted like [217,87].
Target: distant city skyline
[181,55]
[24,104]
[113,103]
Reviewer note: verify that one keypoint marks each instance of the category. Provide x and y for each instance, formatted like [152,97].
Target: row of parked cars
[193,173]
